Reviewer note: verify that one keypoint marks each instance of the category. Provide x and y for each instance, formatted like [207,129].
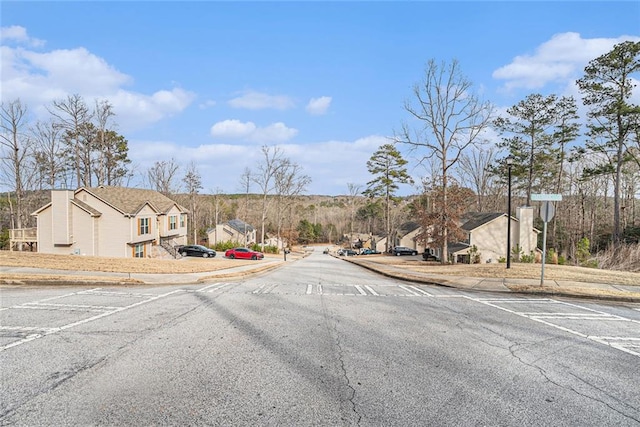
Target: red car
[243,253]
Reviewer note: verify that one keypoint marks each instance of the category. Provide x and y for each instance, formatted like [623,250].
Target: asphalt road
[316,342]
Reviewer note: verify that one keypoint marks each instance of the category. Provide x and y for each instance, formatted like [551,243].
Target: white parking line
[417,289]
[309,289]
[415,294]
[594,315]
[370,289]
[359,288]
[49,331]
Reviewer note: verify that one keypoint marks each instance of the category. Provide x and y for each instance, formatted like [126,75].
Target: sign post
[547,211]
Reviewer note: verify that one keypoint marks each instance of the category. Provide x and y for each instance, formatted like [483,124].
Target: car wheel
[254,257]
[204,255]
[183,254]
[232,256]
[415,253]
[397,253]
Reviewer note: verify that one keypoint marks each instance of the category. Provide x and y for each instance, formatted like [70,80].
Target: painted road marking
[360,290]
[49,331]
[370,289]
[309,289]
[544,318]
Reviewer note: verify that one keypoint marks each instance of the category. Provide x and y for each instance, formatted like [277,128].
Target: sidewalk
[28,276]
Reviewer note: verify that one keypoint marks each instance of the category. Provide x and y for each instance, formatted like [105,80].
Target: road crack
[332,329]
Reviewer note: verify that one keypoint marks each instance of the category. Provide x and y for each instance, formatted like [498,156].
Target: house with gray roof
[234,230]
[111,222]
[486,231]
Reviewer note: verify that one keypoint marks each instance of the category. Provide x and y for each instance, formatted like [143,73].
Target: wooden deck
[20,236]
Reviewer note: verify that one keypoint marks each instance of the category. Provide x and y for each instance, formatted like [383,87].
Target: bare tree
[354,191]
[289,183]
[449,118]
[245,182]
[193,182]
[162,175]
[48,155]
[16,146]
[73,116]
[475,173]
[265,178]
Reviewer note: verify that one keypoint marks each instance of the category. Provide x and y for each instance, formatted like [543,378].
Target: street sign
[547,211]
[546,197]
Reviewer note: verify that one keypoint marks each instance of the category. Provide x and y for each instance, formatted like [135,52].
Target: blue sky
[212,82]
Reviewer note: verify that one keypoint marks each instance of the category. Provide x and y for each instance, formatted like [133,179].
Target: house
[406,236]
[277,242]
[486,231]
[111,222]
[234,230]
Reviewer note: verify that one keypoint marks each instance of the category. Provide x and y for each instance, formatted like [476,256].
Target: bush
[528,259]
[502,260]
[474,255]
[266,250]
[562,260]
[582,251]
[223,246]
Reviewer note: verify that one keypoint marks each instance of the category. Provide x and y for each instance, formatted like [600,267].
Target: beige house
[111,222]
[234,230]
[486,231]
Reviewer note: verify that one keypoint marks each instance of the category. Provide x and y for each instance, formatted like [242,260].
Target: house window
[173,222]
[138,250]
[183,219]
[143,226]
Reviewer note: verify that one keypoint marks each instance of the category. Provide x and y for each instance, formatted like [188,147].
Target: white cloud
[248,131]
[259,101]
[318,106]
[207,104]
[38,78]
[232,129]
[19,35]
[560,59]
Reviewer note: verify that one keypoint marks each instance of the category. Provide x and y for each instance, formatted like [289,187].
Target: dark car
[369,252]
[350,252]
[428,256]
[243,253]
[403,250]
[196,250]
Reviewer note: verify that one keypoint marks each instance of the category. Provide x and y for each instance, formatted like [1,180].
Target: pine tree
[388,168]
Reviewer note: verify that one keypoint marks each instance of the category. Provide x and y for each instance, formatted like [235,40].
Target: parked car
[427,256]
[243,253]
[403,250]
[350,252]
[369,252]
[196,250]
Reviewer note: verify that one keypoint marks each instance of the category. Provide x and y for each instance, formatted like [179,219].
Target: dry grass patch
[117,265]
[517,271]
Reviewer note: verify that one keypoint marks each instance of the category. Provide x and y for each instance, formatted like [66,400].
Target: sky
[213,82]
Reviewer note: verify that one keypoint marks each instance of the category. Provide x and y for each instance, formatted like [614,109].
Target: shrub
[266,249]
[474,255]
[582,251]
[502,260]
[223,246]
[528,259]
[561,260]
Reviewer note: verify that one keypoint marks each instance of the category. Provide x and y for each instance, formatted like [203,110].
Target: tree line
[594,164]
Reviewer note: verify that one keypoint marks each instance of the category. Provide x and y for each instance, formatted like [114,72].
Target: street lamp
[509,160]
